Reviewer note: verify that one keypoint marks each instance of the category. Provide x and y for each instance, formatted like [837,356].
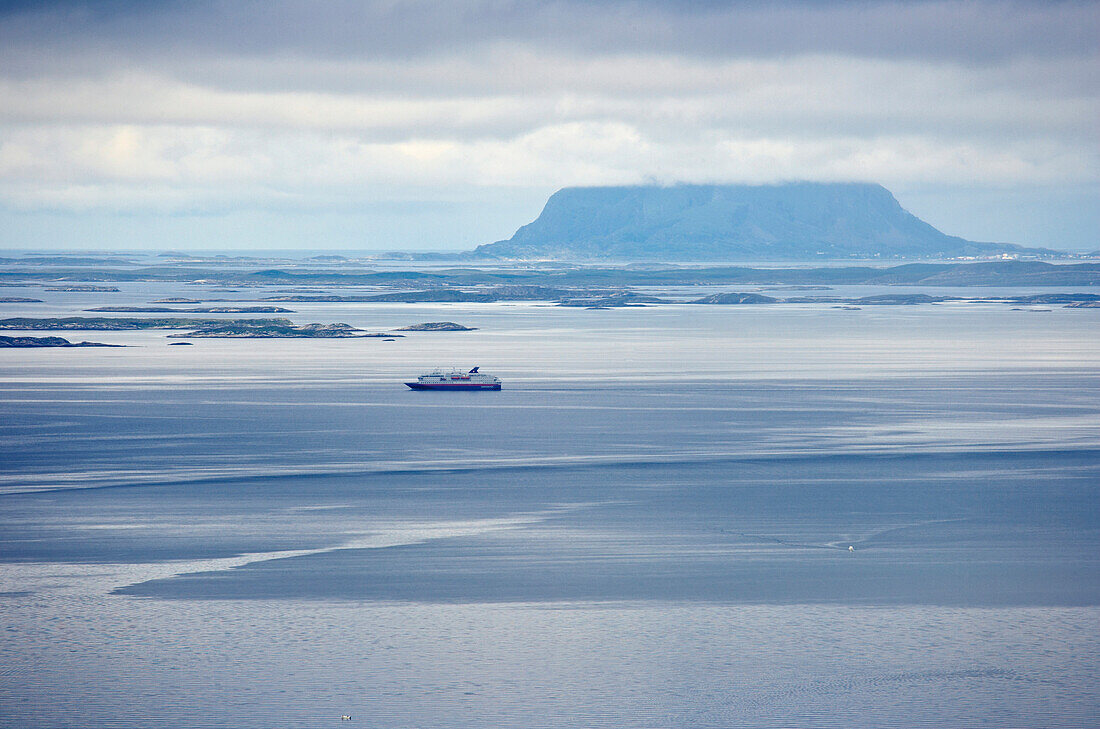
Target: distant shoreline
[559,275]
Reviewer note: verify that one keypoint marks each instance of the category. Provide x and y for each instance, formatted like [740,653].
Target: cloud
[214,106]
[979,30]
[175,169]
[402,99]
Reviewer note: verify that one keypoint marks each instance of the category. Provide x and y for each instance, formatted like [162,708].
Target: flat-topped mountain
[794,221]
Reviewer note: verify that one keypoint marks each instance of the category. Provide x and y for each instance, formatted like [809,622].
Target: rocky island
[736,298]
[485,295]
[27,342]
[272,329]
[1076,300]
[437,326]
[616,300]
[84,287]
[194,310]
[254,328]
[123,323]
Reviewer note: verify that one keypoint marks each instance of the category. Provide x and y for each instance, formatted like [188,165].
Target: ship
[455,380]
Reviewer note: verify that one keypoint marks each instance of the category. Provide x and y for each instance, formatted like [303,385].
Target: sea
[670,516]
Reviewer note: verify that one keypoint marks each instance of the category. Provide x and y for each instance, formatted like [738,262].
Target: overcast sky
[436,125]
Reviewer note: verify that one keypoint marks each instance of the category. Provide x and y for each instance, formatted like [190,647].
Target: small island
[437,326]
[36,342]
[613,301]
[735,298]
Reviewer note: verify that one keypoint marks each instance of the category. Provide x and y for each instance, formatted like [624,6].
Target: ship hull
[456,386]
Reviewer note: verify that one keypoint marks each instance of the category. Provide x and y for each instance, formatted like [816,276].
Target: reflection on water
[648,527]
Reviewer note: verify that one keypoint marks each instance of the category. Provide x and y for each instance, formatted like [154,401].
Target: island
[615,300]
[800,221]
[63,260]
[1075,300]
[82,287]
[195,310]
[27,342]
[125,323]
[735,298]
[281,329]
[256,328]
[437,326]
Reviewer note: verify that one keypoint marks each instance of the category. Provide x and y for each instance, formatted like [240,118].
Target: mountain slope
[730,222]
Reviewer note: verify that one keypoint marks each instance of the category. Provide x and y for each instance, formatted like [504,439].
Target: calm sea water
[649,526]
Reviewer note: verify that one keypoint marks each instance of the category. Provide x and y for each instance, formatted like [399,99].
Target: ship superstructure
[455,380]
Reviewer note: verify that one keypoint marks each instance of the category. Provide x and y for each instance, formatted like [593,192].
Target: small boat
[455,380]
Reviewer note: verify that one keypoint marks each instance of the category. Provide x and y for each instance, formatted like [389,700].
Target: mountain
[794,221]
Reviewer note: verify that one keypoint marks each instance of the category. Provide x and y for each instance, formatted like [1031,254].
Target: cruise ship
[455,380]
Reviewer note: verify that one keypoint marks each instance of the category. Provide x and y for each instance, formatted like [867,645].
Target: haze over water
[649,526]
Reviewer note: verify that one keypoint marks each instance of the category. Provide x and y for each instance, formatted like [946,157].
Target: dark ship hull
[454,386]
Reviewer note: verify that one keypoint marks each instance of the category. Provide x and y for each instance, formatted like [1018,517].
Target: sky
[438,125]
